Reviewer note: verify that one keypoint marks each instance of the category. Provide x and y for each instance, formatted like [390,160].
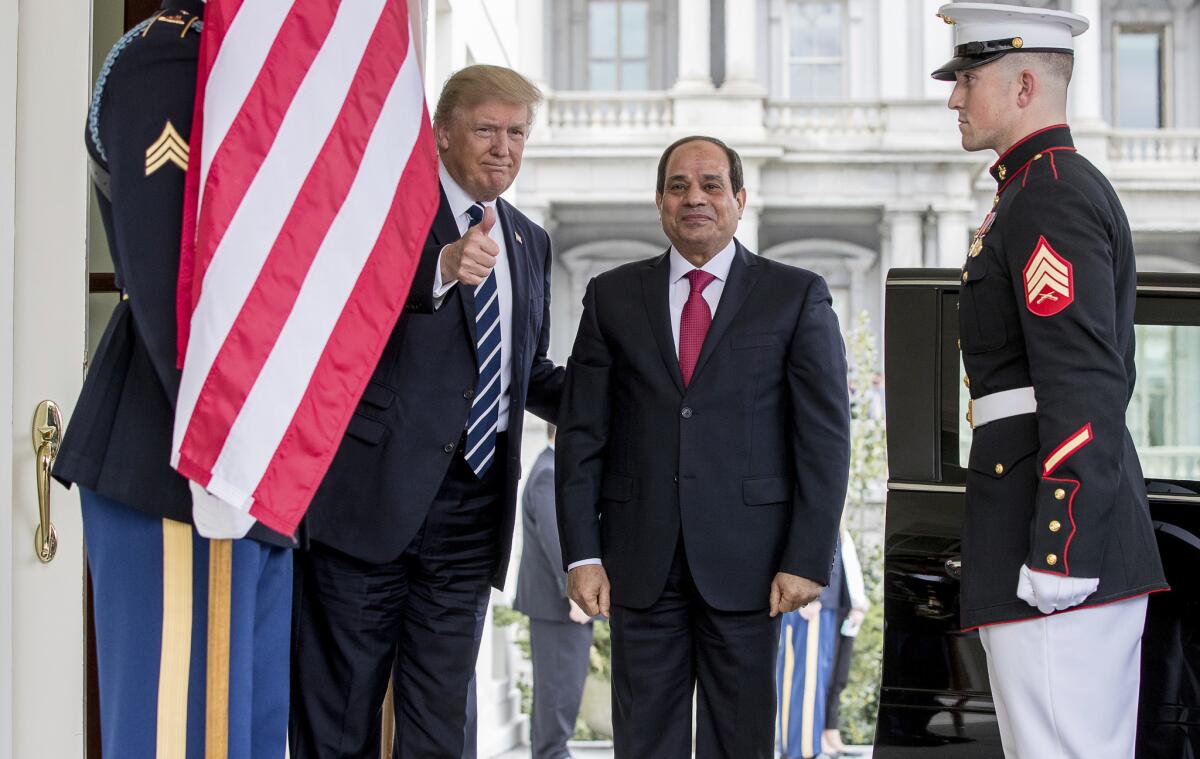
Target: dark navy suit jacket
[747,464]
[403,435]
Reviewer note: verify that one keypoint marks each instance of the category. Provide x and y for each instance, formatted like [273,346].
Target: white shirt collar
[456,196]
[718,265]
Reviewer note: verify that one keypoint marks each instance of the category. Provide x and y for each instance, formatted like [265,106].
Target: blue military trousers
[804,666]
[192,638]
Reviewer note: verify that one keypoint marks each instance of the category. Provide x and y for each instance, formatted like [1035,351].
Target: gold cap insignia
[946,18]
[168,148]
[1018,43]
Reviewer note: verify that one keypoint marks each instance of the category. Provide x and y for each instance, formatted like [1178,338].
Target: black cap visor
[945,72]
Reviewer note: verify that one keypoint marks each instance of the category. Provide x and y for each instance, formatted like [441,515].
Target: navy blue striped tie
[485,406]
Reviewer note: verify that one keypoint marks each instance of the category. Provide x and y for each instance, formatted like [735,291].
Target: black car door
[935,702]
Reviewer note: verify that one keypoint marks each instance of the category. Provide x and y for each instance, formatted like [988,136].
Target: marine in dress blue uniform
[1057,541]
[192,634]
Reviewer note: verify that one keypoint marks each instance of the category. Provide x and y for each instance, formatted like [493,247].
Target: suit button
[468,393]
[999,469]
[1051,559]
[686,413]
[1055,525]
[676,479]
[448,448]
[1060,494]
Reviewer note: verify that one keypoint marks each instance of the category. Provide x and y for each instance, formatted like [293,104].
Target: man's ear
[658,196]
[740,197]
[442,135]
[1028,87]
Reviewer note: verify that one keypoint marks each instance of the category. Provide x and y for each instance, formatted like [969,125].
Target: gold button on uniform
[1051,559]
[964,276]
[1060,494]
[1037,157]
[1055,525]
[999,469]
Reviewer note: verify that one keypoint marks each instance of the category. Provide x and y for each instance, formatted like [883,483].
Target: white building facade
[852,161]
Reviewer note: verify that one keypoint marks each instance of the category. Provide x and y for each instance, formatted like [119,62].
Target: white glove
[1050,593]
[216,519]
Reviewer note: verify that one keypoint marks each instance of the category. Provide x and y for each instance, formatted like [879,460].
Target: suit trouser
[680,644]
[1065,686]
[191,638]
[561,655]
[419,617]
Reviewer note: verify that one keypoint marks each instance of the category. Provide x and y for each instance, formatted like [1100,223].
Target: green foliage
[860,699]
[868,469]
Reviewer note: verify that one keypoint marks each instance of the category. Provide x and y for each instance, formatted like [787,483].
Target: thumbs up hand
[470,260]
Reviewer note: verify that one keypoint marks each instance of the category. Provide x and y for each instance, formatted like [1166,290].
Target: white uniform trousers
[1065,686]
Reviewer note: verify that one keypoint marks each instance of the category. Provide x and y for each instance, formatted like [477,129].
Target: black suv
[935,702]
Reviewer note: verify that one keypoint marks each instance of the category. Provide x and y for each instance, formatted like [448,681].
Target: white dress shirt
[459,202]
[679,290]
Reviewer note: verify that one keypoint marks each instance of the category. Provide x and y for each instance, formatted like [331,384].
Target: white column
[1087,81]
[531,21]
[893,49]
[903,239]
[741,47]
[953,229]
[695,70]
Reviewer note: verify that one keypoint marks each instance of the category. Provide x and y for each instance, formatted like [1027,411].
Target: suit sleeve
[820,434]
[1060,253]
[539,494]
[582,434]
[147,194]
[545,379]
[420,292]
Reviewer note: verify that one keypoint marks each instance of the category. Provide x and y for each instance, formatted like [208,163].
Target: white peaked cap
[985,31]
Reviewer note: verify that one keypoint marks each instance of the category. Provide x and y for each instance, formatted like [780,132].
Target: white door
[45,59]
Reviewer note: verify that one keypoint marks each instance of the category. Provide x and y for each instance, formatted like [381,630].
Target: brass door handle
[47,434]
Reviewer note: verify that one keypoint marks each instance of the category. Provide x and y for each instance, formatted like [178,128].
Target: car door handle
[954,568]
[47,434]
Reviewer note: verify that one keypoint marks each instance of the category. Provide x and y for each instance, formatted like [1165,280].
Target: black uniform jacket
[118,441]
[1047,300]
[404,433]
[747,465]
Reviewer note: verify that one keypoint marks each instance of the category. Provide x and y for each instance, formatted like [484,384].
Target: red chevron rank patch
[1049,281]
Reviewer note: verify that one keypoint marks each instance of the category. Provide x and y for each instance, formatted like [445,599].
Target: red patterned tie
[693,324]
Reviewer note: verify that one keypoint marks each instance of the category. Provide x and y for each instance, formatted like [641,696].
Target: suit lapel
[518,274]
[743,274]
[656,295]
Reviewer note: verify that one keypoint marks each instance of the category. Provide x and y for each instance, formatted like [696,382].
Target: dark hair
[735,162]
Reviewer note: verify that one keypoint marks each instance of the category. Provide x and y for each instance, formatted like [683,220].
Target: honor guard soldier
[1058,549]
[192,634]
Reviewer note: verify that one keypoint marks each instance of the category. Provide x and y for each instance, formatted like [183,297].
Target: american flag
[304,220]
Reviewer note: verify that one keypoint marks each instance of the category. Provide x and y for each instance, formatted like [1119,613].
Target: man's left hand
[790,592]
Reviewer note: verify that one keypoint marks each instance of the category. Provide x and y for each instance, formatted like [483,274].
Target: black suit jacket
[542,582]
[118,442]
[749,462]
[402,437]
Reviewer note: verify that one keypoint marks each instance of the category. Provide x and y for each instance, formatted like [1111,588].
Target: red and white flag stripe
[315,189]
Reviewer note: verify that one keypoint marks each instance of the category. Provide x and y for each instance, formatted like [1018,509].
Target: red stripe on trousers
[256,329]
[354,347]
